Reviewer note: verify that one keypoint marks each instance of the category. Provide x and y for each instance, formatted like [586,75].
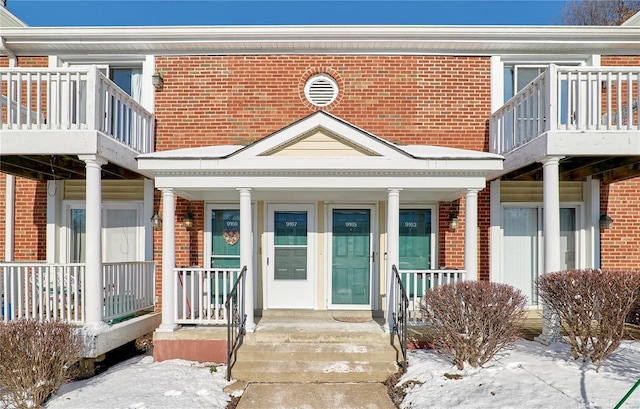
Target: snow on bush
[35,359]
[592,306]
[472,321]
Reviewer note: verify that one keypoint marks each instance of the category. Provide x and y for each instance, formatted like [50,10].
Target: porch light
[156,221]
[605,221]
[187,220]
[157,80]
[453,221]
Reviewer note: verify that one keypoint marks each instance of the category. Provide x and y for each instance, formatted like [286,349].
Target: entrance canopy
[318,154]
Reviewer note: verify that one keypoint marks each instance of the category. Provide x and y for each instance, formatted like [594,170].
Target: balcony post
[94,100]
[393,238]
[471,235]
[551,202]
[246,255]
[93,272]
[168,261]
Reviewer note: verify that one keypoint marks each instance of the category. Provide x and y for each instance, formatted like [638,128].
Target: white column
[246,255]
[9,216]
[147,214]
[551,225]
[168,261]
[93,237]
[393,253]
[471,235]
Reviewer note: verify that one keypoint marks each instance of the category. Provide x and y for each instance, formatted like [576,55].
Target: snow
[529,375]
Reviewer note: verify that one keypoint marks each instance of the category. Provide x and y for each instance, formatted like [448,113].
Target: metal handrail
[400,307]
[236,319]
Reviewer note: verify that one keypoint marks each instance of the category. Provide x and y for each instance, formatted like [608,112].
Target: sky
[527,376]
[43,13]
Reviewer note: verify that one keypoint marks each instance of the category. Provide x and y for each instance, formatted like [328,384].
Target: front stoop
[323,350]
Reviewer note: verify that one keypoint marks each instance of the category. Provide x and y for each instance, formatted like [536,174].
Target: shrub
[35,359]
[472,321]
[592,306]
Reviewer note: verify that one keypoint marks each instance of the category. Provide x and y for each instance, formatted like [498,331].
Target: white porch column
[147,214]
[168,261]
[551,202]
[9,216]
[246,255]
[393,257]
[93,272]
[471,235]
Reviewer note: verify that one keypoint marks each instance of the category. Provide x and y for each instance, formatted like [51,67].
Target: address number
[351,224]
[292,224]
[410,224]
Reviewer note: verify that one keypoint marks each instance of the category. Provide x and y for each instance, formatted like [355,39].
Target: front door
[351,258]
[290,260]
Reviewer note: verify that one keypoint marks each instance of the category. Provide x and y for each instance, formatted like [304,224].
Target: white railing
[417,282]
[201,294]
[38,290]
[73,99]
[42,291]
[568,99]
[128,288]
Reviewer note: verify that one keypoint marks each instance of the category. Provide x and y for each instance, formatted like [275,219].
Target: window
[415,248]
[225,238]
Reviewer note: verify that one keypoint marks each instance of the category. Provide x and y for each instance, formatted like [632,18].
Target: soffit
[473,40]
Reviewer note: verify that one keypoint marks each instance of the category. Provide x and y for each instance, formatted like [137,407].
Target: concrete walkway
[315,396]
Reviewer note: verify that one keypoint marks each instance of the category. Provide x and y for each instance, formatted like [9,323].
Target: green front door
[351,261]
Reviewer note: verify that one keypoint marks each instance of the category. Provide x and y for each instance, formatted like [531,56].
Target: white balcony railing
[73,99]
[418,282]
[128,288]
[44,291]
[201,294]
[584,99]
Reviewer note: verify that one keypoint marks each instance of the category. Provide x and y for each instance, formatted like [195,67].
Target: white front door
[291,266]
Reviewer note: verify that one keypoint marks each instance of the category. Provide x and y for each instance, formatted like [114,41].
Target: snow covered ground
[529,375]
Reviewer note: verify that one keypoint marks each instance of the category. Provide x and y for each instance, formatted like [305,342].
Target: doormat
[353,320]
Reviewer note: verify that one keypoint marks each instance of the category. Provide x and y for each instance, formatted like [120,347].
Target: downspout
[10,181]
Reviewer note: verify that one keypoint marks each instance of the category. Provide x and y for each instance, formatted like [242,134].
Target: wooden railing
[73,99]
[128,288]
[416,284]
[236,320]
[42,291]
[573,99]
[45,291]
[201,294]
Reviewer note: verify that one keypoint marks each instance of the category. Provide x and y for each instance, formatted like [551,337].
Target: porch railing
[416,284]
[79,98]
[201,294]
[399,314]
[44,291]
[568,99]
[236,319]
[128,288]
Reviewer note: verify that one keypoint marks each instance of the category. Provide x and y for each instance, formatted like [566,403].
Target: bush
[472,321]
[35,359]
[592,306]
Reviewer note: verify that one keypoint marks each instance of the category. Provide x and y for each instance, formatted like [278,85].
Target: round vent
[321,90]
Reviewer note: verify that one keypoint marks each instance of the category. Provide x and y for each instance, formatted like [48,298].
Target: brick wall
[31,201]
[620,245]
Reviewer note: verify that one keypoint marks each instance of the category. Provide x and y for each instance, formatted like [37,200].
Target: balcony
[589,116]
[68,112]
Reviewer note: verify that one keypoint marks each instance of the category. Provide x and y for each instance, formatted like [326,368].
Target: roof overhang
[243,40]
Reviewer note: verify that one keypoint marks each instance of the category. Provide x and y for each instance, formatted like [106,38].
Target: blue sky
[245,12]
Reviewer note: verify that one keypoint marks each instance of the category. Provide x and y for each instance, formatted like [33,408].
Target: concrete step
[320,337]
[296,371]
[320,352]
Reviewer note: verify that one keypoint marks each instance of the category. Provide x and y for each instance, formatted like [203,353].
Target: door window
[290,245]
[225,238]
